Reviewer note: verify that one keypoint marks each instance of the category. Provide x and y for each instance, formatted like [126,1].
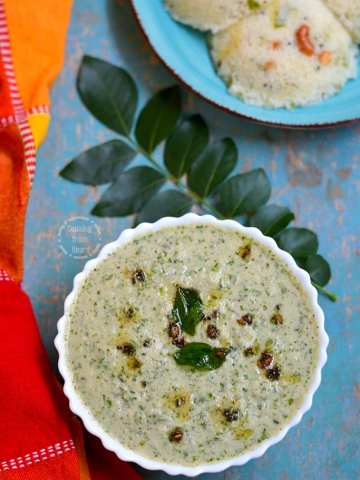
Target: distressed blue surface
[314,173]
[195,67]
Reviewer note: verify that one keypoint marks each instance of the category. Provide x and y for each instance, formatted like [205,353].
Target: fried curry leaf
[200,356]
[187,310]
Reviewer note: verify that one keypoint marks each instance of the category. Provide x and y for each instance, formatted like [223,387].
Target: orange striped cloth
[31,50]
[40,438]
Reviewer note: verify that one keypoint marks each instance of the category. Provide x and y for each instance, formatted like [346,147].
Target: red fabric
[32,413]
[62,467]
[5,104]
[39,437]
[37,433]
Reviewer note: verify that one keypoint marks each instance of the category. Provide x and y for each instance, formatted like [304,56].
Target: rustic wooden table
[315,173]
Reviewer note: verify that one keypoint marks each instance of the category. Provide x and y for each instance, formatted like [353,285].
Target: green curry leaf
[129,193]
[169,203]
[271,219]
[242,193]
[158,118]
[212,167]
[200,356]
[317,267]
[108,92]
[299,242]
[185,144]
[100,164]
[187,310]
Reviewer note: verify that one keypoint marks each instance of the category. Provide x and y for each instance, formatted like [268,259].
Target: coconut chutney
[192,344]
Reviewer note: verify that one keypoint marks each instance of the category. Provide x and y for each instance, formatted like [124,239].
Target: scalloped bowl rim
[91,424]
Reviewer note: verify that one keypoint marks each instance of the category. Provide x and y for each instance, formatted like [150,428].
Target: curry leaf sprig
[194,172]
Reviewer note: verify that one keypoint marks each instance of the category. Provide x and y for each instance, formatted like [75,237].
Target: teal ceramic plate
[184,51]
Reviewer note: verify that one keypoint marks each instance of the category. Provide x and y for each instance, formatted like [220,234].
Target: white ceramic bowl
[92,425]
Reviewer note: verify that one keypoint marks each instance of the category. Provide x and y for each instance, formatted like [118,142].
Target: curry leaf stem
[202,202]
[325,292]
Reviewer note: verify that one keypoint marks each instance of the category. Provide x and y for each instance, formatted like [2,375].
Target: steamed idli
[348,12]
[212,15]
[290,54]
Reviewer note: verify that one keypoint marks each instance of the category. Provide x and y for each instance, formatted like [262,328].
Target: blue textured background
[315,173]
